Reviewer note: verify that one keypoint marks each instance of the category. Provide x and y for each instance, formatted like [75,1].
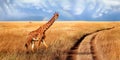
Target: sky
[69,10]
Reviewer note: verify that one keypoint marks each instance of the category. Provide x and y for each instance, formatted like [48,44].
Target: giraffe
[38,35]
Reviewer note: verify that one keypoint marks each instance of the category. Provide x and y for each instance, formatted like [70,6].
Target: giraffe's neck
[48,24]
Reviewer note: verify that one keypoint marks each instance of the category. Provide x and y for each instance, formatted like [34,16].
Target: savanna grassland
[60,37]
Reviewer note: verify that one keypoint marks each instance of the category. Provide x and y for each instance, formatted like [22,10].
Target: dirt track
[84,48]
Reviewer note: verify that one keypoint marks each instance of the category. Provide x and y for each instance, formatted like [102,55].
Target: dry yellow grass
[60,38]
[108,44]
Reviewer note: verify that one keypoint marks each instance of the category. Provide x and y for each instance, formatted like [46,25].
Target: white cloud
[112,2]
[9,10]
[79,7]
[67,8]
[29,1]
[92,4]
[66,5]
[1,11]
[78,11]
[49,11]
[91,7]
[52,2]
[106,7]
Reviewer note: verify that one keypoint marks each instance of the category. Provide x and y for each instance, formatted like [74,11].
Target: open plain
[66,41]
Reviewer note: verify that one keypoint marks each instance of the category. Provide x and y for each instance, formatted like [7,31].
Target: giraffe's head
[56,15]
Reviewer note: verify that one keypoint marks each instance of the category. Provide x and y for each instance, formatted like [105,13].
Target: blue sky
[88,10]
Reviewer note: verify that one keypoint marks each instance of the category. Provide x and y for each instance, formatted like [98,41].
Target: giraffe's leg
[33,45]
[43,41]
[39,42]
[27,44]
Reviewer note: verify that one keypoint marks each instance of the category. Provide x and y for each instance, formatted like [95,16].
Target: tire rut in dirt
[74,48]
